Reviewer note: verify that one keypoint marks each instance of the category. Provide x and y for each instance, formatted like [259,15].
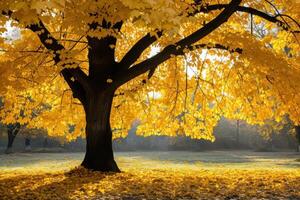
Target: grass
[153,175]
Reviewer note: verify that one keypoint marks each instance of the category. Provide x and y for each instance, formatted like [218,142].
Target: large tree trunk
[96,93]
[99,152]
[12,131]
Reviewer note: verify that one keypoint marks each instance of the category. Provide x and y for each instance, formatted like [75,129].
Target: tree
[12,131]
[237,135]
[297,133]
[207,64]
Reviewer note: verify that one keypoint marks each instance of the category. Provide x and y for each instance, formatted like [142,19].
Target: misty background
[229,135]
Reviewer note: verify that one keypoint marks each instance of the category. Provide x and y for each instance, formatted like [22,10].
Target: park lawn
[153,175]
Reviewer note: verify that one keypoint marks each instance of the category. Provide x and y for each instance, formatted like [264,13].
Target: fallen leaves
[226,184]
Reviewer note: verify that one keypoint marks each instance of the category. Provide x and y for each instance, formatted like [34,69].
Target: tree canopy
[177,65]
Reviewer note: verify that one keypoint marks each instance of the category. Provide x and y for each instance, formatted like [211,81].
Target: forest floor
[224,175]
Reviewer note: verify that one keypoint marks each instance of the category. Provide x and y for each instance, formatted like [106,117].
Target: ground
[153,175]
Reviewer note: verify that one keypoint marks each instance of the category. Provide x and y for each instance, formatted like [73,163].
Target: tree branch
[136,51]
[81,77]
[80,85]
[80,82]
[211,46]
[253,11]
[170,50]
[200,46]
[47,39]
[50,43]
[77,88]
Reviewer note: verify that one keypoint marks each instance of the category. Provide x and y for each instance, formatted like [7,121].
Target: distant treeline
[229,135]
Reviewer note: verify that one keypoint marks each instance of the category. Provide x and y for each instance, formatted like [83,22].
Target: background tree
[175,65]
[297,133]
[12,131]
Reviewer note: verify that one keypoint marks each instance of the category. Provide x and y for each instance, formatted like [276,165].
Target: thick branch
[75,77]
[170,50]
[44,35]
[136,51]
[80,84]
[77,88]
[81,77]
[47,39]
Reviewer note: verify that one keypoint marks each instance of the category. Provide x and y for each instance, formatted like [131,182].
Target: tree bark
[99,153]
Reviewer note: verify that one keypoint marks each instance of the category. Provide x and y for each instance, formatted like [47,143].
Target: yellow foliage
[186,95]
